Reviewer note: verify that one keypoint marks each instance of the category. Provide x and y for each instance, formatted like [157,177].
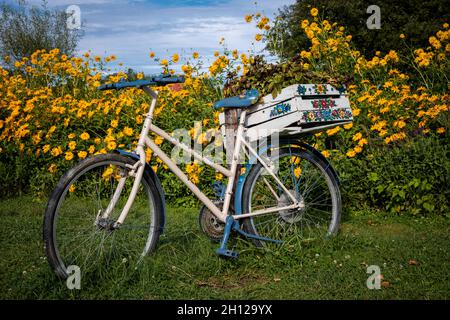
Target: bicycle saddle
[247,99]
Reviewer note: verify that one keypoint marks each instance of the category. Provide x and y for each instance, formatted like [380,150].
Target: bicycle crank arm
[254,236]
[232,224]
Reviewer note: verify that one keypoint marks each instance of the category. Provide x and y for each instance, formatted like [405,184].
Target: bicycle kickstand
[230,224]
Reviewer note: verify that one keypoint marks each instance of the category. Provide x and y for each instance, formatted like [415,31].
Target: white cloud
[130,30]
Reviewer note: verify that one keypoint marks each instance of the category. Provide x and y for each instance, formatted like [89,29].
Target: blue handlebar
[157,81]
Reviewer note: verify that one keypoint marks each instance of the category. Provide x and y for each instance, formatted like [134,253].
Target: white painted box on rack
[299,108]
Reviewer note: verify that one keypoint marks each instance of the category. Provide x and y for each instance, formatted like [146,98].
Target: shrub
[411,178]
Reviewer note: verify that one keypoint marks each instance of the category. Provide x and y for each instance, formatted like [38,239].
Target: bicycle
[285,192]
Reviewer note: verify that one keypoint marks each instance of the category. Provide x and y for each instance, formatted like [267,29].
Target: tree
[25,29]
[416,19]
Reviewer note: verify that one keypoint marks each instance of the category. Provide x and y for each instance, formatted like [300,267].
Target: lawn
[412,253]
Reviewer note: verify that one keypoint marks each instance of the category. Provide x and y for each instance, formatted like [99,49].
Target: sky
[130,29]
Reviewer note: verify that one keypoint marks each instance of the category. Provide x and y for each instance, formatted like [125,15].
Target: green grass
[186,267]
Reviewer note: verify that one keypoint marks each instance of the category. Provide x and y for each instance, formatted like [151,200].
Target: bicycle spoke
[309,185]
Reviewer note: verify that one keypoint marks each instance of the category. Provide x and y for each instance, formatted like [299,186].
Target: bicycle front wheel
[76,230]
[307,178]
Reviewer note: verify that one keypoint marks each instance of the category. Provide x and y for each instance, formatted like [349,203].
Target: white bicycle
[112,206]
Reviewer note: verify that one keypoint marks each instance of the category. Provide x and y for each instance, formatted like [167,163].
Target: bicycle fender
[155,179]
[248,165]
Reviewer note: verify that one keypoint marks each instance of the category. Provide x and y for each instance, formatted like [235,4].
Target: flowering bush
[51,114]
[394,112]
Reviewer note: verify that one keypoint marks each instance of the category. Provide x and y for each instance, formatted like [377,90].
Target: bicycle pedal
[227,253]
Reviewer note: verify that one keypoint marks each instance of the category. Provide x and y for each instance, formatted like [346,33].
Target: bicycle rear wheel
[75,231]
[310,180]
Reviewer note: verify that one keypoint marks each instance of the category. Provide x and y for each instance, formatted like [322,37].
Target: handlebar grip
[168,79]
[159,80]
[107,86]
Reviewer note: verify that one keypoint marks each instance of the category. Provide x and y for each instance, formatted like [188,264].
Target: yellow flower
[46,148]
[297,172]
[71,135]
[159,140]
[97,59]
[295,160]
[52,168]
[140,76]
[216,54]
[152,54]
[348,126]
[357,136]
[356,112]
[351,153]
[72,145]
[195,55]
[164,62]
[128,131]
[333,131]
[400,124]
[52,129]
[114,123]
[69,155]
[175,58]
[305,54]
[258,37]
[402,36]
[112,145]
[358,149]
[56,151]
[71,188]
[362,142]
[326,153]
[108,172]
[248,18]
[314,12]
[305,23]
[440,130]
[219,176]
[186,69]
[155,168]
[82,154]
[435,42]
[194,178]
[84,136]
[235,54]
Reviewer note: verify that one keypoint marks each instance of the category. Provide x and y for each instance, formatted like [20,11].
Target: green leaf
[428,207]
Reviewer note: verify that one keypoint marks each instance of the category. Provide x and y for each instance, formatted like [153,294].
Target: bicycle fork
[136,171]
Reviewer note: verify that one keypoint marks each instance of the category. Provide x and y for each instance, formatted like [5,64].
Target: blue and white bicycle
[112,205]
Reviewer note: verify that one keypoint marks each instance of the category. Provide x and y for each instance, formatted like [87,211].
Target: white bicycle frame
[221,214]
